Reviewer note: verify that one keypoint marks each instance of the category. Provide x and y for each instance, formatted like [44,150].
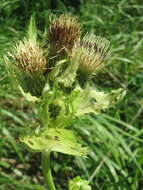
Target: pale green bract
[56,70]
[60,140]
[69,75]
[93,101]
[28,96]
[78,184]
[32,31]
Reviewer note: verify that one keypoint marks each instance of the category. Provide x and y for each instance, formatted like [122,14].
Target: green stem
[46,170]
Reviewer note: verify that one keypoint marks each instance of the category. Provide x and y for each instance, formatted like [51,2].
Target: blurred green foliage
[115,159]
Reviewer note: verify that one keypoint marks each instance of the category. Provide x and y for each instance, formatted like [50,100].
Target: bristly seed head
[63,32]
[29,58]
[91,52]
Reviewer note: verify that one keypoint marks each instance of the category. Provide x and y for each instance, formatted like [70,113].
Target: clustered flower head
[64,40]
[91,52]
[53,79]
[29,58]
[63,32]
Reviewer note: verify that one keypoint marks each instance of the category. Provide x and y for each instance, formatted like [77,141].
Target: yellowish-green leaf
[56,70]
[32,30]
[78,184]
[28,96]
[68,77]
[60,140]
[94,101]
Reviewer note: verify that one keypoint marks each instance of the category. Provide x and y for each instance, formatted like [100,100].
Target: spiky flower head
[28,57]
[91,52]
[63,32]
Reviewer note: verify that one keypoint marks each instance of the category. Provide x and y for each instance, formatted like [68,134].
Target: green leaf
[11,72]
[58,108]
[68,77]
[15,82]
[60,140]
[94,101]
[69,105]
[56,70]
[78,184]
[32,30]
[28,96]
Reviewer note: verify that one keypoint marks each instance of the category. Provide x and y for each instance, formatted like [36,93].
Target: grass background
[115,159]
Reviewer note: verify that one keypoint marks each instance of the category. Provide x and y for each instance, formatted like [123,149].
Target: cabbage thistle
[56,87]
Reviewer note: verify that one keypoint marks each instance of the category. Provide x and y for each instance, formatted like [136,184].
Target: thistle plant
[61,89]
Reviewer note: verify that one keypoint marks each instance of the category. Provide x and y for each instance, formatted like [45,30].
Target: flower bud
[29,58]
[63,32]
[91,53]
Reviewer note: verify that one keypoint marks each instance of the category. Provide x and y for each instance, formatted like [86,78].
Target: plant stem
[46,170]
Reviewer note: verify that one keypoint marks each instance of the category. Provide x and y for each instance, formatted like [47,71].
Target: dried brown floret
[63,32]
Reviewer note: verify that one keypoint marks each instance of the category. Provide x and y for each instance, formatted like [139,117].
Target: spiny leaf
[56,70]
[28,96]
[60,140]
[94,101]
[68,77]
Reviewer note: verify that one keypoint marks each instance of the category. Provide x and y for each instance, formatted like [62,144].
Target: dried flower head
[63,32]
[91,53]
[29,58]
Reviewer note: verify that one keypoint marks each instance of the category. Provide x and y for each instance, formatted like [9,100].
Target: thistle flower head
[28,57]
[63,32]
[91,53]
